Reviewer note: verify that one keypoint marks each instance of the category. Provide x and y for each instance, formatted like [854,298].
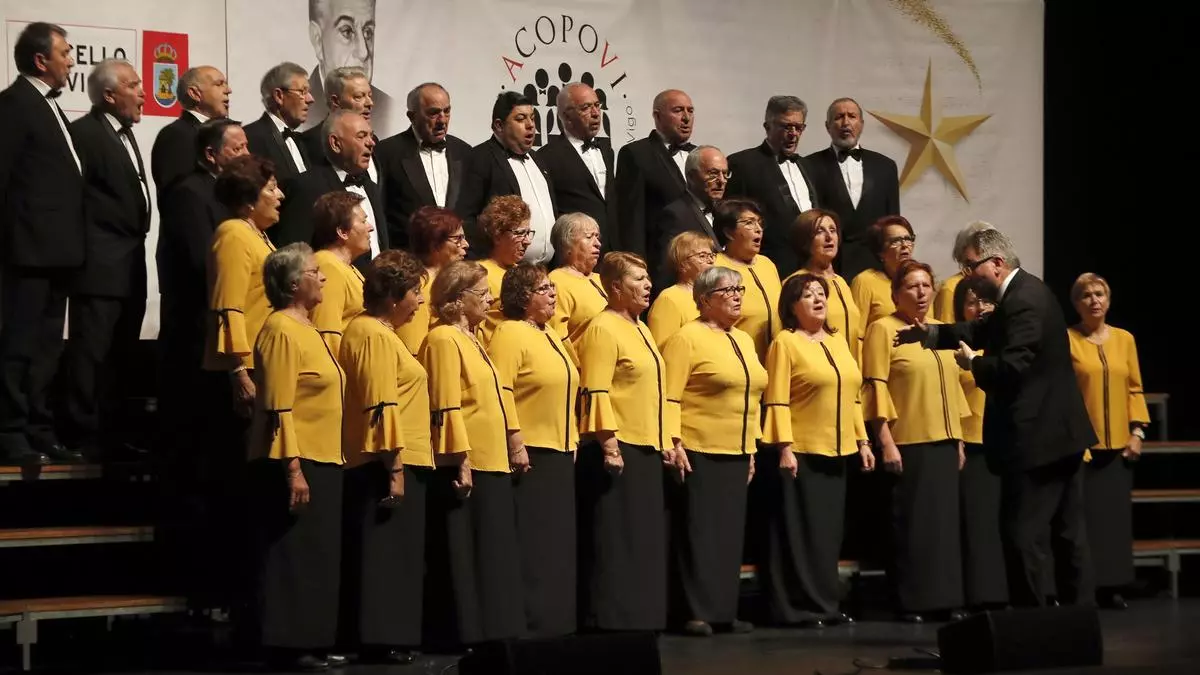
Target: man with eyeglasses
[578,160]
[275,136]
[707,175]
[777,177]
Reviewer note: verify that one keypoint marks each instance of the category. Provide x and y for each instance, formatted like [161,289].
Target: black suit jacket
[299,195]
[678,217]
[118,214]
[575,190]
[1034,413]
[405,186]
[756,175]
[173,156]
[41,190]
[880,197]
[647,180]
[264,140]
[489,175]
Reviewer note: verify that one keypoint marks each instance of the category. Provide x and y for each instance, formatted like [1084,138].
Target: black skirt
[545,502]
[708,520]
[299,555]
[926,528]
[799,568]
[1108,499]
[623,556]
[984,580]
[383,563]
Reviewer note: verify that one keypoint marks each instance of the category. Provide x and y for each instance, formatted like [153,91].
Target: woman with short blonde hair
[689,253]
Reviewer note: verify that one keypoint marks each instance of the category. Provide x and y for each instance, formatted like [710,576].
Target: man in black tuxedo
[346,88]
[342,34]
[109,298]
[859,185]
[42,218]
[1035,425]
[650,172]
[580,163]
[349,147]
[773,175]
[203,94]
[274,136]
[423,165]
[505,165]
[707,175]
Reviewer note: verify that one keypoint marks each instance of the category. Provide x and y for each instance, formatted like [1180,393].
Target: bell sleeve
[507,353]
[231,283]
[677,354]
[777,426]
[598,353]
[374,368]
[443,362]
[877,364]
[278,373]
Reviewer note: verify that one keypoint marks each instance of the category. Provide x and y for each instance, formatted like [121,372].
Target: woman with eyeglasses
[505,222]
[539,380]
[436,237]
[576,238]
[891,240]
[689,253]
[739,223]
[816,238]
[1110,377]
[943,302]
[341,233]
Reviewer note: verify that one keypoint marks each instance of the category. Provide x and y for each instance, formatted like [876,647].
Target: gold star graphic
[930,146]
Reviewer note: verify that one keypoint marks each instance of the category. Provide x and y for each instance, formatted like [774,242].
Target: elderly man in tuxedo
[42,218]
[342,34]
[1035,424]
[777,177]
[204,95]
[286,96]
[109,298]
[579,162]
[707,176]
[650,173]
[859,185]
[346,88]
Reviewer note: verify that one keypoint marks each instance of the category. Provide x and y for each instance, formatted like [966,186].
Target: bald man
[203,94]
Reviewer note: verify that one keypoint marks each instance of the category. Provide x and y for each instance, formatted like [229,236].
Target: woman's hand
[962,456]
[867,457]
[243,393]
[395,493]
[518,456]
[613,462]
[891,459]
[298,493]
[750,475]
[788,466]
[463,484]
[1133,449]
[682,464]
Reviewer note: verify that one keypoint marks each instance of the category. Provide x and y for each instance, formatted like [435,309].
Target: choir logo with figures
[549,54]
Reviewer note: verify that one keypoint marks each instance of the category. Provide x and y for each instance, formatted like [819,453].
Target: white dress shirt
[437,170]
[293,149]
[680,157]
[702,208]
[852,176]
[536,193]
[796,185]
[366,207]
[200,117]
[44,89]
[133,158]
[593,159]
[1004,284]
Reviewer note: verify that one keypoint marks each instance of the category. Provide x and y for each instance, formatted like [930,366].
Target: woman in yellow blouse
[714,387]
[341,234]
[576,237]
[943,302]
[436,237]
[817,236]
[1106,366]
[689,253]
[623,548]
[814,424]
[739,222]
[891,239]
[389,460]
[539,379]
[471,498]
[295,452]
[912,398]
[505,221]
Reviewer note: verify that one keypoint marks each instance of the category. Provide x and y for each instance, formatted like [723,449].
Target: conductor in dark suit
[859,185]
[1035,425]
[42,224]
[707,175]
[275,136]
[423,165]
[579,162]
[776,177]
[203,94]
[505,165]
[349,146]
[650,172]
[109,298]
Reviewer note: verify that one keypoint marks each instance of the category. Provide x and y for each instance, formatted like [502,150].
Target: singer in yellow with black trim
[739,223]
[714,386]
[817,238]
[576,237]
[689,254]
[505,222]
[621,475]
[341,234]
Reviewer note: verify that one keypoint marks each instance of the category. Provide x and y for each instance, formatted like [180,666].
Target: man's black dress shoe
[839,618]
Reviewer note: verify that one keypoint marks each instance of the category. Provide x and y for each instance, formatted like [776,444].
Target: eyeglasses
[727,291]
[312,271]
[750,223]
[714,176]
[521,234]
[457,238]
[477,293]
[798,128]
[587,107]
[969,267]
[545,289]
[897,242]
[706,256]
[302,93]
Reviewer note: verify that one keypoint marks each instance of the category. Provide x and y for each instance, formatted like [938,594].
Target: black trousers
[1047,497]
[99,328]
[33,305]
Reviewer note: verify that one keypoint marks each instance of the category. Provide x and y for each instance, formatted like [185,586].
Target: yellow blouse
[972,426]
[915,389]
[622,382]
[760,305]
[673,308]
[943,302]
[872,290]
[714,389]
[298,398]
[1111,381]
[812,400]
[495,276]
[464,397]
[237,298]
[539,380]
[841,312]
[414,331]
[580,299]
[387,396]
[341,299]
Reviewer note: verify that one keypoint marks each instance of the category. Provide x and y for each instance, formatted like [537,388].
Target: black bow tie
[433,147]
[126,130]
[856,153]
[589,144]
[782,157]
[675,148]
[355,181]
[519,158]
[290,133]
[53,94]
